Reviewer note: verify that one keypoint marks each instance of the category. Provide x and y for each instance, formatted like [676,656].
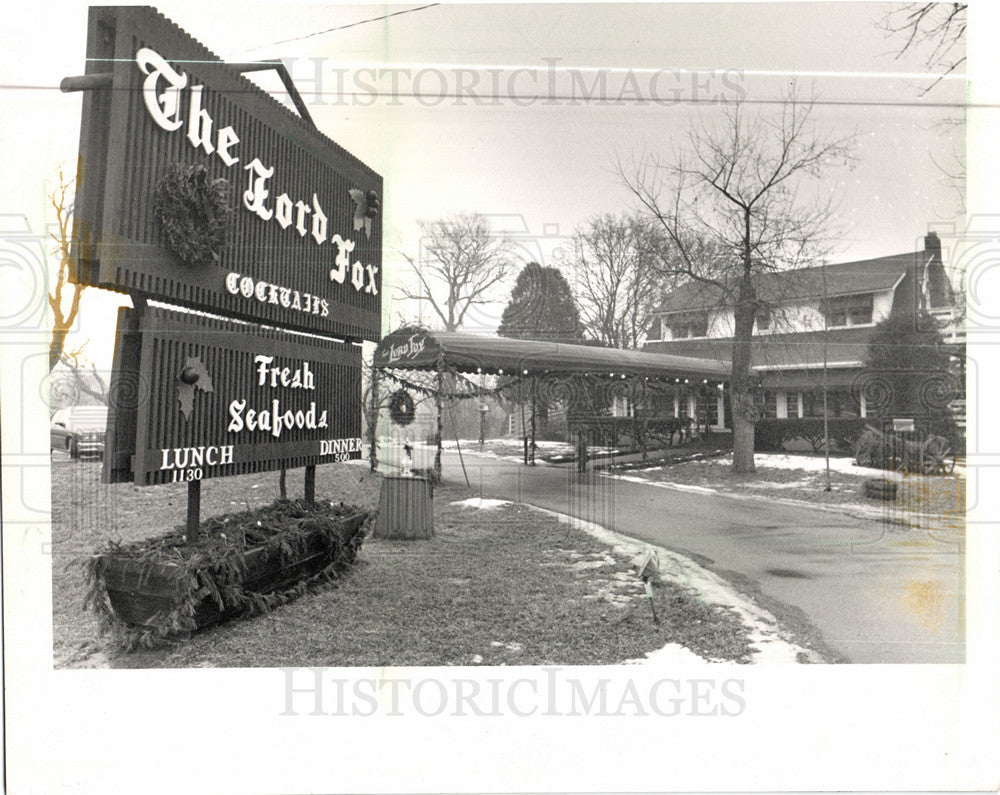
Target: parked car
[79,430]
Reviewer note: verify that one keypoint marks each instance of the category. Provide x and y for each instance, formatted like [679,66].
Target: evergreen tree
[541,307]
[907,358]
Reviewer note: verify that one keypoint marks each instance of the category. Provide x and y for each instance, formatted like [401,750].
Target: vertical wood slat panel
[305,162]
[226,349]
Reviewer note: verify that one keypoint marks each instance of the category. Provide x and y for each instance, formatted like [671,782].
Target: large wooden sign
[197,397]
[198,188]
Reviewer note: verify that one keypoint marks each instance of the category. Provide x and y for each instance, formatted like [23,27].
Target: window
[812,404]
[770,405]
[694,324]
[792,404]
[839,403]
[848,310]
[763,319]
[622,407]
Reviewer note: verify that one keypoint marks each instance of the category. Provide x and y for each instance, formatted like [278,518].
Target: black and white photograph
[500,397]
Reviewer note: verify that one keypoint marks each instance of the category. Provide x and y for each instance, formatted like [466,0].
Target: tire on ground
[881,489]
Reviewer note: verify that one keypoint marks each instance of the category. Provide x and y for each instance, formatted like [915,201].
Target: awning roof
[419,349]
[798,350]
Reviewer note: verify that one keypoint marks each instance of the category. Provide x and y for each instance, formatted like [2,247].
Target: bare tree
[63,317]
[462,260]
[615,281]
[733,206]
[74,377]
[934,30]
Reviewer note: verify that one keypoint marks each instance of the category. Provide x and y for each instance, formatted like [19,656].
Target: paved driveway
[877,592]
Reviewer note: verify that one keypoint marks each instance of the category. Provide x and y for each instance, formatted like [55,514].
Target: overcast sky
[453,126]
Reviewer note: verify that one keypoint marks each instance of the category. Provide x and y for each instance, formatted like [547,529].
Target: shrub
[771,434]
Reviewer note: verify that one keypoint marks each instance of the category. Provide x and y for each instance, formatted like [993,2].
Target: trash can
[404,508]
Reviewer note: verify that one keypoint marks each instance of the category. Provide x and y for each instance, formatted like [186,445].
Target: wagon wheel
[929,464]
[939,458]
[895,459]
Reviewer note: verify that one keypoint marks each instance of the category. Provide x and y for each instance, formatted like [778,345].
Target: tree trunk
[55,347]
[744,414]
[541,419]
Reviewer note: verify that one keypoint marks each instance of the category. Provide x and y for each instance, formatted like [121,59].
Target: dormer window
[848,310]
[691,324]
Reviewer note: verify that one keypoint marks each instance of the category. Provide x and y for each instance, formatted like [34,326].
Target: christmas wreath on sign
[194,213]
[402,409]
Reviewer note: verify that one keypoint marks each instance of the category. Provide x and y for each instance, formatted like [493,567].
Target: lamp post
[483,409]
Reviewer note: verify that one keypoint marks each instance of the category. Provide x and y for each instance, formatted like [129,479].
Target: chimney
[935,286]
[932,245]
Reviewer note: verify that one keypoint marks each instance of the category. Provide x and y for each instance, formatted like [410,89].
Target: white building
[809,315]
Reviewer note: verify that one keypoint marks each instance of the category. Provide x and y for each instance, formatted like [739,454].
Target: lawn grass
[493,587]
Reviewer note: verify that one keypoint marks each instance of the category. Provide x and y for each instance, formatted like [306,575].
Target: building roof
[420,349]
[845,348]
[774,287]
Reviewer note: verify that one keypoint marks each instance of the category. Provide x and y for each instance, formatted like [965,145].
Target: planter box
[140,590]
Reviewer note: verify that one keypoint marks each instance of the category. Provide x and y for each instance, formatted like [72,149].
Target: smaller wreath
[402,409]
[194,213]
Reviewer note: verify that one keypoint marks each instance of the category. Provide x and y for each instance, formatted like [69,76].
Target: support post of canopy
[533,401]
[640,423]
[582,388]
[524,426]
[437,404]
[373,411]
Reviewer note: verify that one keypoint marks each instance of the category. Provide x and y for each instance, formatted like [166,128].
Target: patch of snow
[818,464]
[474,451]
[795,484]
[482,503]
[584,565]
[809,463]
[856,509]
[671,655]
[663,484]
[767,638]
[512,646]
[512,443]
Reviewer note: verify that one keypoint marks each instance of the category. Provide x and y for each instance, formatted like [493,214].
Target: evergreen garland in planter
[194,213]
[177,588]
